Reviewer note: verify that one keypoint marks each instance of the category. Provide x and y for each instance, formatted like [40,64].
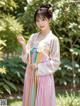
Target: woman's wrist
[24,48]
[34,65]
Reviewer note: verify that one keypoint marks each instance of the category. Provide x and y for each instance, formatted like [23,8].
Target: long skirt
[38,91]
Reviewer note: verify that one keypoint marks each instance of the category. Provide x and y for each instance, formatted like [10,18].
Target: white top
[49,45]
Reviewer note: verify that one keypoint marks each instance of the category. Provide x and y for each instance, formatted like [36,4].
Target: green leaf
[6,87]
[10,84]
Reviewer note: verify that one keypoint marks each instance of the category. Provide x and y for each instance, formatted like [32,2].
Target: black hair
[44,11]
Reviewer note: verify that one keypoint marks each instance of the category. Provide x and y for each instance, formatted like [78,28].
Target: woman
[42,54]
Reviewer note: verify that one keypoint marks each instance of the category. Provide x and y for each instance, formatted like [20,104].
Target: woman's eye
[43,19]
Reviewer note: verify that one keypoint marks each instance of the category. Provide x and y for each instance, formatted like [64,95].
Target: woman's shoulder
[52,37]
[34,35]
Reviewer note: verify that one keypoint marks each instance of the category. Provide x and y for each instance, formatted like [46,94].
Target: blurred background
[17,17]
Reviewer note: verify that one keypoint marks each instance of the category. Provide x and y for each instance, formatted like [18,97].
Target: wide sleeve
[50,66]
[26,50]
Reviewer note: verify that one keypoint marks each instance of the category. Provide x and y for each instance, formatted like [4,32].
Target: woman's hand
[21,40]
[32,67]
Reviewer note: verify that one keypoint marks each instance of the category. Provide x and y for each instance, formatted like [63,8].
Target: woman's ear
[50,20]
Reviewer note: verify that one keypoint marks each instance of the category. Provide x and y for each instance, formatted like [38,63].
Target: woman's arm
[50,66]
[25,53]
[25,47]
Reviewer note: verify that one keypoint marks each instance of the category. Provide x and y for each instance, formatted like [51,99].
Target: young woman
[42,54]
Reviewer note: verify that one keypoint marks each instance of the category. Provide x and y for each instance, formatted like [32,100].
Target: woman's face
[42,23]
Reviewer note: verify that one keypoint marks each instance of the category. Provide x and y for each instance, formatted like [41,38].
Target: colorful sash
[30,83]
[36,56]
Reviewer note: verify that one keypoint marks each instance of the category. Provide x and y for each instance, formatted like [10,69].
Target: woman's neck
[45,32]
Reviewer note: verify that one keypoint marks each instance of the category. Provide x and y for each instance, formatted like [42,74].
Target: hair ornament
[50,9]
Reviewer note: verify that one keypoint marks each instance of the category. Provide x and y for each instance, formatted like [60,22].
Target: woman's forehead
[40,17]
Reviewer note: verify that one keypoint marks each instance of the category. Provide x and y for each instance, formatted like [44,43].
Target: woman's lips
[41,26]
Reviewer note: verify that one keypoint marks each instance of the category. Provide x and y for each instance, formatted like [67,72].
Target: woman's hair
[44,11]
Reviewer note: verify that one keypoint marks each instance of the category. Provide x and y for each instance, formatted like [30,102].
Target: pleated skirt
[38,91]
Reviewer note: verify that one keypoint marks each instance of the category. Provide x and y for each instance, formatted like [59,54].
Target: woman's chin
[42,29]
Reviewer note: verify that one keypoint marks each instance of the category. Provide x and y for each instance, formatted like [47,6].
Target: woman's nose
[40,23]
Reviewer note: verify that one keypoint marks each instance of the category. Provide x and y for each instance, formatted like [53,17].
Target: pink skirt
[39,92]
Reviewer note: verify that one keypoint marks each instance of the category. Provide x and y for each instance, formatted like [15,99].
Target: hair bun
[48,6]
[45,10]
